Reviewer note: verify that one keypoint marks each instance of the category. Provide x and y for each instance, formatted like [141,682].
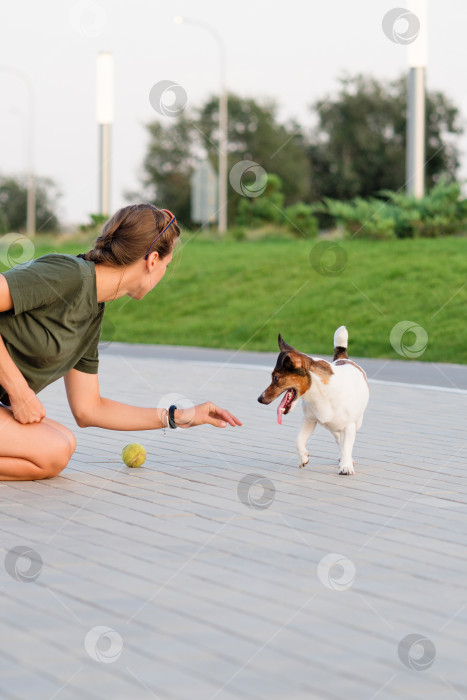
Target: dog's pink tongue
[281,408]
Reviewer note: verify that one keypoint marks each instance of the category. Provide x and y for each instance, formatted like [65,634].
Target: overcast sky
[291,51]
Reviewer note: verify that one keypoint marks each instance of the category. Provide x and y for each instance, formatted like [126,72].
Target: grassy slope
[241,295]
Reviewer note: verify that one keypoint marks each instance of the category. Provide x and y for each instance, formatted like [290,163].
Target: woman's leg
[33,451]
[64,430]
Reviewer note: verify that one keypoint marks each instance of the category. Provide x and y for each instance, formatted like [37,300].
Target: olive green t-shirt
[56,320]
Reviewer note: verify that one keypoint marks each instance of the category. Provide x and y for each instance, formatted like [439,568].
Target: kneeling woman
[51,312]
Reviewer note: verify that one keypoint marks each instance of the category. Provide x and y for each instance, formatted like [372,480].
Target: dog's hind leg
[339,436]
[347,442]
[307,427]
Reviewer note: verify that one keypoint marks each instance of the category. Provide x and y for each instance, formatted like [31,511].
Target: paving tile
[215,598]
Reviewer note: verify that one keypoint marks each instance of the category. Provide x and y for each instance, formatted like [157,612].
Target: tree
[357,149]
[168,164]
[254,134]
[359,145]
[13,204]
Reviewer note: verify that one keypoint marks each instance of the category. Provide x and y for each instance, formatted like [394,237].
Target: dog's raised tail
[341,339]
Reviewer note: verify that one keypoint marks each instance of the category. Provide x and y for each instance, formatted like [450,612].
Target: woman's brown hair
[127,235]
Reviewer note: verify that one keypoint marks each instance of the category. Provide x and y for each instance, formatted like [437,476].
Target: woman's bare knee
[64,431]
[48,445]
[73,443]
[56,458]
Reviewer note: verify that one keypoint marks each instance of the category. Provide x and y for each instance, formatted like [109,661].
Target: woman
[51,312]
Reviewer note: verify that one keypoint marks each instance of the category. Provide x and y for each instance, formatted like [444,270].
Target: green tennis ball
[134,455]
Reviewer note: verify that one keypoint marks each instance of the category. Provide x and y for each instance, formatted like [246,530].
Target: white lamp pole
[417,52]
[31,197]
[105,116]
[223,119]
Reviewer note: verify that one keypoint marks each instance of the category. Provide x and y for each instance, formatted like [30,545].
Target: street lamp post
[31,196]
[417,58]
[105,116]
[223,119]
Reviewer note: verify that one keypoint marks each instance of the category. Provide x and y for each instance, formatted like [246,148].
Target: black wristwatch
[171,416]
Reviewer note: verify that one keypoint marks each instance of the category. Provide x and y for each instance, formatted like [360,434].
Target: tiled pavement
[162,582]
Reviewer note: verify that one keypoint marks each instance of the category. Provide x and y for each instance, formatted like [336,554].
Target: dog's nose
[260,398]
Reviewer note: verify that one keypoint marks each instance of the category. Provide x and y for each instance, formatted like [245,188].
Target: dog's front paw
[304,459]
[346,467]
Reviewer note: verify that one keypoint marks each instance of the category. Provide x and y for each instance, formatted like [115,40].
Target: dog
[334,394]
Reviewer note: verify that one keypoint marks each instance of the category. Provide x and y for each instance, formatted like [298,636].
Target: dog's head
[290,375]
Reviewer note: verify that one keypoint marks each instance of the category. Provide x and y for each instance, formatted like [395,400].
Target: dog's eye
[275,379]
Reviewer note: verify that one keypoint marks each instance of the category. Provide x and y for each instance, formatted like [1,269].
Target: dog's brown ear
[288,363]
[283,347]
[294,360]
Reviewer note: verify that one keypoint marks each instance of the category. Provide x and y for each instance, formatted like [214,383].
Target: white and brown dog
[335,394]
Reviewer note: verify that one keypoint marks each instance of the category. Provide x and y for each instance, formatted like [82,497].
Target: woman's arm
[25,405]
[91,409]
[11,378]
[114,415]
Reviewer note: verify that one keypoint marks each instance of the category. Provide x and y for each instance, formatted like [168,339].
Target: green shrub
[301,220]
[441,212]
[267,207]
[369,218]
[237,233]
[96,223]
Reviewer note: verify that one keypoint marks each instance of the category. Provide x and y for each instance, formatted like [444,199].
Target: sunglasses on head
[172,219]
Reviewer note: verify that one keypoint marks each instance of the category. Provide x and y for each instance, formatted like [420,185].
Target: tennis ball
[134,455]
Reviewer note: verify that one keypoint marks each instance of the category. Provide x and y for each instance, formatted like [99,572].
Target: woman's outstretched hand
[204,413]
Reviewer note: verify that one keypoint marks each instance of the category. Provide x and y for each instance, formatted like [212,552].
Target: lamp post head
[417,49]
[105,88]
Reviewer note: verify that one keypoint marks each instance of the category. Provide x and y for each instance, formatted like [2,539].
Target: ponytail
[127,235]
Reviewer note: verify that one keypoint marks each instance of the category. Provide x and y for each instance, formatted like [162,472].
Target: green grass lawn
[240,295]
